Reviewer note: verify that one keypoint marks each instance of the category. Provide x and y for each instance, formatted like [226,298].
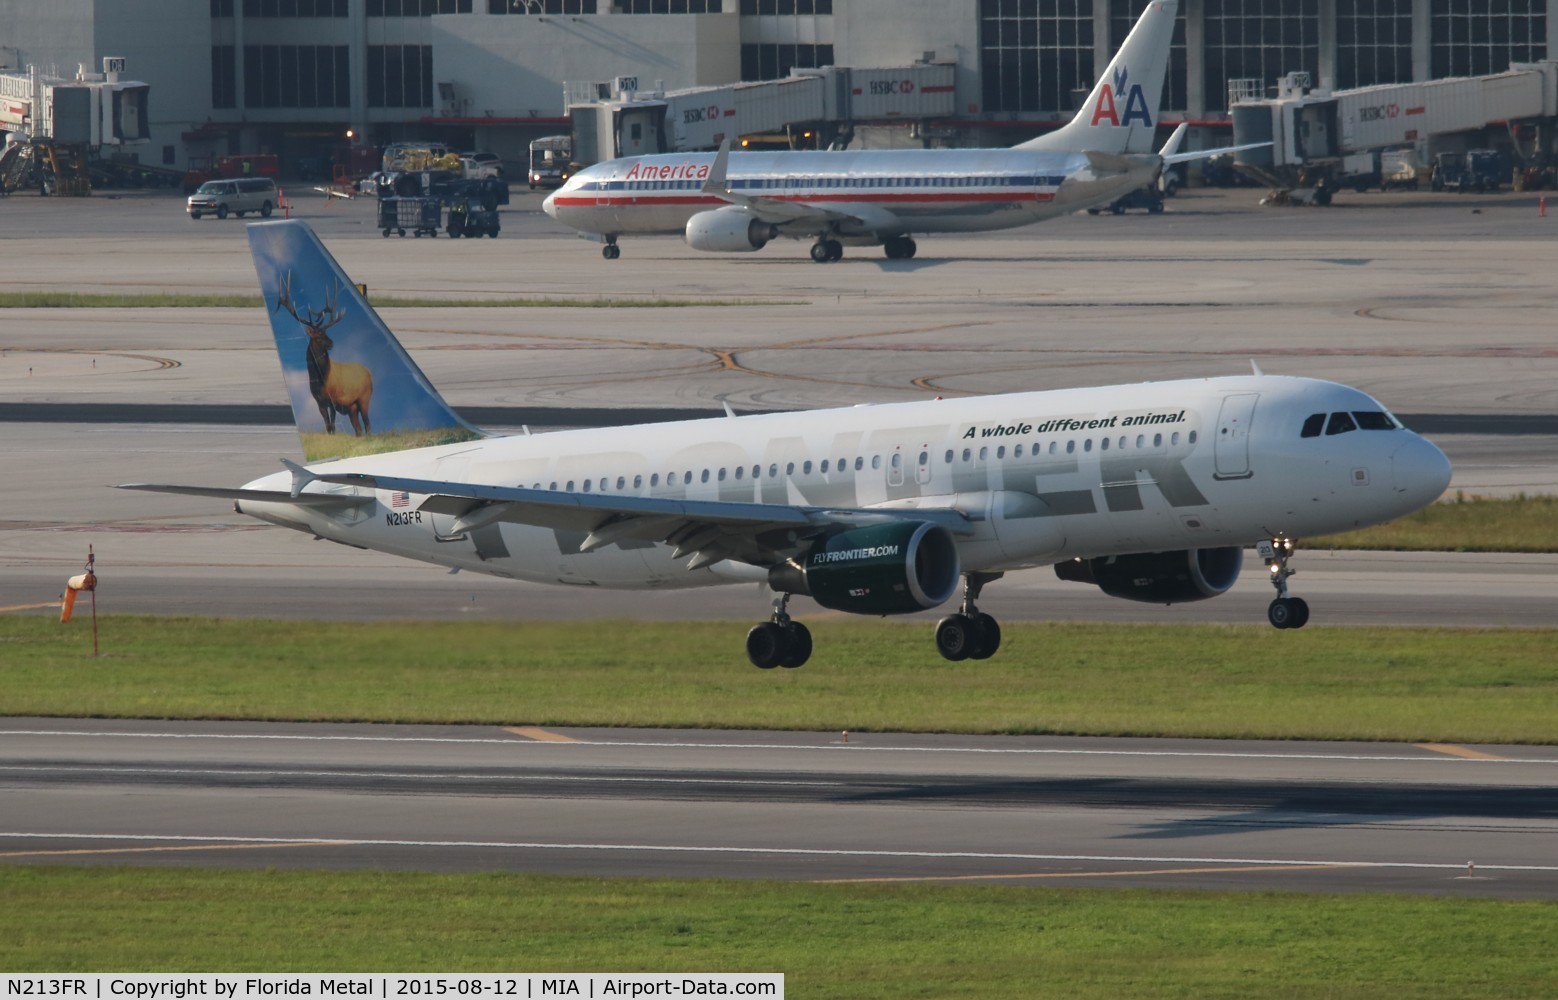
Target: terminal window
[283,8]
[1250,39]
[1035,54]
[417,8]
[291,76]
[1479,37]
[400,76]
[1373,43]
[541,7]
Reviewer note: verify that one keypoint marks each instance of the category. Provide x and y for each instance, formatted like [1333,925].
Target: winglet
[1172,146]
[301,477]
[1255,367]
[715,184]
[728,411]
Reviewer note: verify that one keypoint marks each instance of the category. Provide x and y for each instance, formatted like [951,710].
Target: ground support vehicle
[469,216]
[1473,170]
[1143,197]
[419,215]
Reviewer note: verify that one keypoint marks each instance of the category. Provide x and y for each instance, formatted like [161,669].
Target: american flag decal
[398,500]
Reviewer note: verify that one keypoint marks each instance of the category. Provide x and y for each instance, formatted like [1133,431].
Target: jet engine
[728,230]
[1159,577]
[882,569]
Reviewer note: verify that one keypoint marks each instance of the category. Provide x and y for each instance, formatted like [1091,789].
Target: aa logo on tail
[1109,99]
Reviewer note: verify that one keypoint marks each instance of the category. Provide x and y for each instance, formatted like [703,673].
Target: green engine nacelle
[884,569]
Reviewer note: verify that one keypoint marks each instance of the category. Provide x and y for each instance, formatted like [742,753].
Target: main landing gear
[611,251]
[826,251]
[1285,611]
[899,247]
[780,642]
[970,634]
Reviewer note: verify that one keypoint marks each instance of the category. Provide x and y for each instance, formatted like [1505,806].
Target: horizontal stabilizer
[318,500]
[1109,163]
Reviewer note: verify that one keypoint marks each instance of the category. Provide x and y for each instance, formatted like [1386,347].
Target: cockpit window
[1374,420]
[1313,425]
[1341,423]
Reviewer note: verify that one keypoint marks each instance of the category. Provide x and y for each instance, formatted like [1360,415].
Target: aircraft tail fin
[1121,113]
[354,390]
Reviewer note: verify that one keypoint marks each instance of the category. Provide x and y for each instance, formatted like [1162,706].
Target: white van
[249,194]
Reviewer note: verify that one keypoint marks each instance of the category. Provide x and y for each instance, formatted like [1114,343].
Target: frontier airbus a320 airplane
[1149,491]
[739,203]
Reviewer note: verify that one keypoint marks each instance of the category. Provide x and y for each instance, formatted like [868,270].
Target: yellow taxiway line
[1108,874]
[1459,751]
[541,735]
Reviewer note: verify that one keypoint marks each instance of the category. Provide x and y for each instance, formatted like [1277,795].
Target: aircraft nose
[1420,470]
[548,207]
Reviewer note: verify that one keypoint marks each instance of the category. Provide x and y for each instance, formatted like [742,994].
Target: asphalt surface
[811,807]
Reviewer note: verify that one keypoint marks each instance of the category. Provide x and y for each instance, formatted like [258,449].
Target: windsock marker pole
[85,581]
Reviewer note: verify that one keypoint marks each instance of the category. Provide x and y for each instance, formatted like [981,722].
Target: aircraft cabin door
[1232,445]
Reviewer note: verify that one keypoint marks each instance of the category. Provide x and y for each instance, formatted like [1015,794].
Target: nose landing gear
[970,634]
[611,251]
[1284,611]
[780,642]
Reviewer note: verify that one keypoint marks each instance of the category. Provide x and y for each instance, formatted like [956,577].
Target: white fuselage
[1043,477]
[890,192]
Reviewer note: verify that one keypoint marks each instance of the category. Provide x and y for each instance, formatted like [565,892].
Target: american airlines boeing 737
[739,203]
[1150,492]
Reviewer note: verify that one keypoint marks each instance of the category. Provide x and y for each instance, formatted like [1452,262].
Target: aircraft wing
[708,530]
[799,215]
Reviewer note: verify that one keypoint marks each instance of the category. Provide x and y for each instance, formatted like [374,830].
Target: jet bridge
[617,119]
[1319,137]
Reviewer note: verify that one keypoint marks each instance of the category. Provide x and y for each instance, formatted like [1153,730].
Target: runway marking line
[539,735]
[1459,751]
[32,607]
[1109,874]
[680,745]
[803,852]
[153,850]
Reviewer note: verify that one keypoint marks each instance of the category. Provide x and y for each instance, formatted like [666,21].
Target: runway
[810,807]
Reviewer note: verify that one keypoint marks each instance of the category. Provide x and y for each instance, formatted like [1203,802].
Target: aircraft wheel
[766,645]
[1288,612]
[987,636]
[819,252]
[835,250]
[955,637]
[611,251]
[797,642]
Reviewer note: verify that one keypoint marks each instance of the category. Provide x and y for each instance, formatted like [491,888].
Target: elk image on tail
[337,386]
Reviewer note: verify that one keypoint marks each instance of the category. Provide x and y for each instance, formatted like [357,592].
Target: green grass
[1471,685]
[854,942]
[180,300]
[1462,524]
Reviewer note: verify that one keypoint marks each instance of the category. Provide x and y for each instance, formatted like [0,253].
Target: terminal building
[291,77]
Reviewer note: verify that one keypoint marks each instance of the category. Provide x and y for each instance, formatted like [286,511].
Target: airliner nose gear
[1285,611]
[781,642]
[970,634]
[611,251]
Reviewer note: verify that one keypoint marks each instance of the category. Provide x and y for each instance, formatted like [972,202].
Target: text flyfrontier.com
[392,986]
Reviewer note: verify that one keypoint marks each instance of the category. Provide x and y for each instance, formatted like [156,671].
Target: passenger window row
[739,473]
